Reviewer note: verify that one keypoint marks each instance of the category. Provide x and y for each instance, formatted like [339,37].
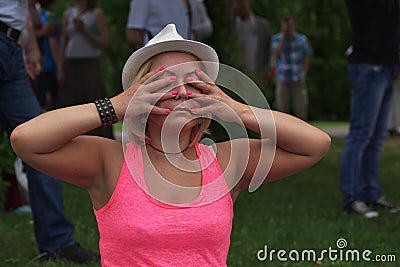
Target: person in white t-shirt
[148,17]
[253,37]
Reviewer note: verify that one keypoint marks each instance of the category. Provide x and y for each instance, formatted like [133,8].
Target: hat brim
[140,56]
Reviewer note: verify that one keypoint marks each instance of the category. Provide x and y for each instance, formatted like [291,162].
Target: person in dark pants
[370,72]
[18,104]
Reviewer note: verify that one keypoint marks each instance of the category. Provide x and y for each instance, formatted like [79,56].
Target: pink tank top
[138,230]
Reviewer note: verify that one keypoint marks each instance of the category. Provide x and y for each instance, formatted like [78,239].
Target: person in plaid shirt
[290,57]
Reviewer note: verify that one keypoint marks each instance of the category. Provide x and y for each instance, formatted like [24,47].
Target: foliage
[6,163]
[6,152]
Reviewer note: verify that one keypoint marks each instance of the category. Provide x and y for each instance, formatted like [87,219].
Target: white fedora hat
[169,40]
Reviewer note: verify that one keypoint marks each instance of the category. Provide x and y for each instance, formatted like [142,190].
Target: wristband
[106,112]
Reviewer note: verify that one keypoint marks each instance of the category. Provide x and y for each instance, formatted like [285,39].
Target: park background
[300,212]
[324,22]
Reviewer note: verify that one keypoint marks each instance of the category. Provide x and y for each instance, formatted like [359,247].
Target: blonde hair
[138,137]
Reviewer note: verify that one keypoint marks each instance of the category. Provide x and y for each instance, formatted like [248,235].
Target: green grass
[305,212]
[300,212]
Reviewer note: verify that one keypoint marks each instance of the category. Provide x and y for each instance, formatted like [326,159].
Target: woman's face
[181,115]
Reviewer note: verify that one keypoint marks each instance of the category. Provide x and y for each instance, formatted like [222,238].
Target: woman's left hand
[214,101]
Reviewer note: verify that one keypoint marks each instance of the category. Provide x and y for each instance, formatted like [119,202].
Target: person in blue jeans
[18,104]
[370,72]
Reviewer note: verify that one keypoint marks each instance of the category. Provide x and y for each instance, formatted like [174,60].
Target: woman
[84,34]
[168,200]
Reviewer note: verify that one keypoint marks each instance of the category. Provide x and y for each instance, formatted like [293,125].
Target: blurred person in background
[201,24]
[146,18]
[84,35]
[254,38]
[49,36]
[394,121]
[291,57]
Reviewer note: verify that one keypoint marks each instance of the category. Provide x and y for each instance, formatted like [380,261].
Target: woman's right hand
[141,96]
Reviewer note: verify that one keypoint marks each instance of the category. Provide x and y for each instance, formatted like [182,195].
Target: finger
[202,86]
[162,85]
[152,73]
[147,76]
[203,76]
[166,95]
[160,111]
[202,111]
[199,96]
[155,97]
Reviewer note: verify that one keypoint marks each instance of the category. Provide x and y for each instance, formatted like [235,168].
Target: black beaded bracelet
[106,112]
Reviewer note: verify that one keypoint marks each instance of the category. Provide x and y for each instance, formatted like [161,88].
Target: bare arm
[135,37]
[61,54]
[32,50]
[298,144]
[276,54]
[283,35]
[45,30]
[52,142]
[55,50]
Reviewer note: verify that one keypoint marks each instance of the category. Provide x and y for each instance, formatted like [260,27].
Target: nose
[181,91]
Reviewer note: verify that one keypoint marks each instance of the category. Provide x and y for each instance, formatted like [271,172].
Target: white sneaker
[360,207]
[21,176]
[383,203]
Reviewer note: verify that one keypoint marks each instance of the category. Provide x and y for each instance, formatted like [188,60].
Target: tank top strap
[214,183]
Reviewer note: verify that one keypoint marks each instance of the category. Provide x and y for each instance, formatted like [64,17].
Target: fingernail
[174,92]
[190,79]
[189,92]
[198,70]
[172,78]
[193,110]
[161,68]
[168,111]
